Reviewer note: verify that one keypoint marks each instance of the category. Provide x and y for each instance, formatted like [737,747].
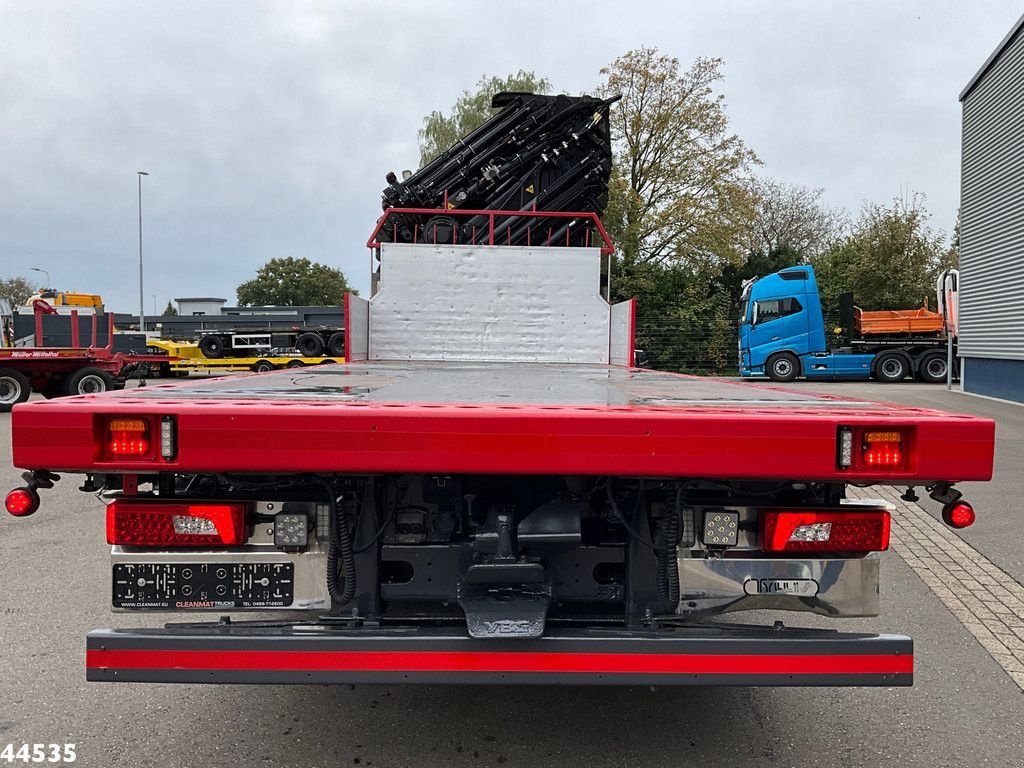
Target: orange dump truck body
[897,321]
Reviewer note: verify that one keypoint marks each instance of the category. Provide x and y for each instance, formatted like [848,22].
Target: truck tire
[310,345]
[932,368]
[88,381]
[327,361]
[212,347]
[336,344]
[14,389]
[295,364]
[891,367]
[782,367]
[262,366]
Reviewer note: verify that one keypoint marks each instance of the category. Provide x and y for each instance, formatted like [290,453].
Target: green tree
[679,208]
[291,282]
[889,259]
[680,188]
[14,291]
[169,310]
[471,110]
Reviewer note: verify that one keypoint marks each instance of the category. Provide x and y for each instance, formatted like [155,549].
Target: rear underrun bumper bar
[320,654]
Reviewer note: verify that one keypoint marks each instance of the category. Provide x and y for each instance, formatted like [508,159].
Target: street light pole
[142,308]
[37,269]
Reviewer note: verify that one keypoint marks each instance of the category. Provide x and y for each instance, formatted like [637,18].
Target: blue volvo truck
[783,334]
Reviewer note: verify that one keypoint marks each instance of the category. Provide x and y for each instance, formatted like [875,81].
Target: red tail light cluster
[825,530]
[883,449]
[163,524]
[861,448]
[128,437]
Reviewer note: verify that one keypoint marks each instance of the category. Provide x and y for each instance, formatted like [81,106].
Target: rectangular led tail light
[816,530]
[868,448]
[128,437]
[172,524]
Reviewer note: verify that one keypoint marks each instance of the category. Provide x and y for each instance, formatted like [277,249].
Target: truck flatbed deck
[507,418]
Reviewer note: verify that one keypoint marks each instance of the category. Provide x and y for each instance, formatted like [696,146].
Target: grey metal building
[992,224]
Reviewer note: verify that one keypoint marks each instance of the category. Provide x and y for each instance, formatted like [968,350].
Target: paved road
[964,710]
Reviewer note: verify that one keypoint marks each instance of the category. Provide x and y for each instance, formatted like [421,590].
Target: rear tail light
[187,524]
[22,502]
[862,448]
[958,514]
[824,530]
[128,437]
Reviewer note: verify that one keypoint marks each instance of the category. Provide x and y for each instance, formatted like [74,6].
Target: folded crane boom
[538,153]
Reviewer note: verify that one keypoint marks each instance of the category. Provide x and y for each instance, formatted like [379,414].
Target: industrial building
[991,340]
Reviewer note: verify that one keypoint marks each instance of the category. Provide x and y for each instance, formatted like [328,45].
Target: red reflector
[958,515]
[825,531]
[160,524]
[128,437]
[22,502]
[883,455]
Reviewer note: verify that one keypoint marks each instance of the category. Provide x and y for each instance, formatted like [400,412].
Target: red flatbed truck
[488,492]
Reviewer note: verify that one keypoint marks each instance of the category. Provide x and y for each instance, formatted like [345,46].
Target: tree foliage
[471,110]
[679,189]
[790,218]
[291,282]
[169,310]
[889,258]
[14,291]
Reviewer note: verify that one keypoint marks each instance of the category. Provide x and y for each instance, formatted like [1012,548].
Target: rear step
[692,655]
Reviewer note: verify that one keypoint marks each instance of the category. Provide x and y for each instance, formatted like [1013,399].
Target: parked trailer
[783,334]
[310,342]
[183,358]
[59,371]
[488,492]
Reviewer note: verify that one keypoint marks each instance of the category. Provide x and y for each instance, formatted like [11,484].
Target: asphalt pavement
[964,709]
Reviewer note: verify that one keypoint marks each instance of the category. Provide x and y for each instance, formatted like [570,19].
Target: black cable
[621,518]
[339,548]
[395,509]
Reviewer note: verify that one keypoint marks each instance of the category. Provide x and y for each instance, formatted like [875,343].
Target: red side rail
[493,231]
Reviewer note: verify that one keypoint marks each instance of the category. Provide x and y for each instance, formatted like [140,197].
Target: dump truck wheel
[336,344]
[212,347]
[310,345]
[88,381]
[782,367]
[892,367]
[14,388]
[932,368]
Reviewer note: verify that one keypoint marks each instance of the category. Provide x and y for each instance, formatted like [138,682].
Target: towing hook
[23,501]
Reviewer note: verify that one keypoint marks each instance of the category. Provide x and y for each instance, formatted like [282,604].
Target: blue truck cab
[783,333]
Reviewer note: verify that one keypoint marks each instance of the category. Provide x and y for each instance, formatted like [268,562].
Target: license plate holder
[202,586]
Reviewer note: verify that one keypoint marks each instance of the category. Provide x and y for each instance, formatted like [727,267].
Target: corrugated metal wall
[992,211]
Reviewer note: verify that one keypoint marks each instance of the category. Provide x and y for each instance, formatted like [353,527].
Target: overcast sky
[267,128]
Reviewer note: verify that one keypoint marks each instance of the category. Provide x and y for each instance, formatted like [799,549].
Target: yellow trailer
[191,360]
